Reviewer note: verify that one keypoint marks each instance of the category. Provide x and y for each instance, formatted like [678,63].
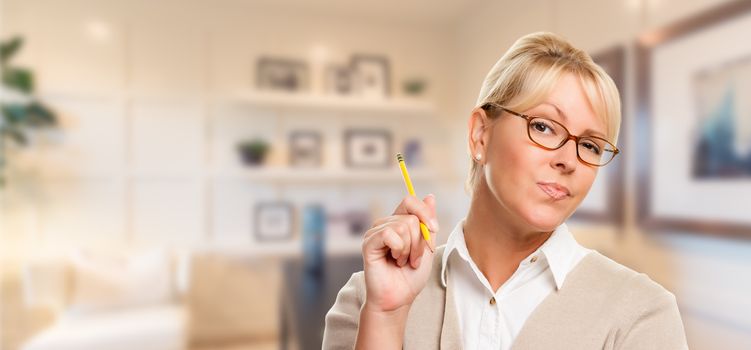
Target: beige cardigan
[601,305]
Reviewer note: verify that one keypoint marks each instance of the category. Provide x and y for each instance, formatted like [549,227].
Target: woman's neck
[497,241]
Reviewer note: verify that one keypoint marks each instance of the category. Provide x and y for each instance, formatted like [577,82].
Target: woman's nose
[565,158]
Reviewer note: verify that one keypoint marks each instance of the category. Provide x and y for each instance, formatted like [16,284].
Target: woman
[511,275]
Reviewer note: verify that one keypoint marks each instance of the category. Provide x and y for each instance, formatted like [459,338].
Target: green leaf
[9,47]
[15,133]
[40,115]
[35,114]
[15,113]
[20,79]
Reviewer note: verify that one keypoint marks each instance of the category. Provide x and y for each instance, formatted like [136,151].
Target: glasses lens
[596,151]
[546,133]
[550,134]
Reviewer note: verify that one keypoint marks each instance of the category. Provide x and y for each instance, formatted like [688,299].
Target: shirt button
[492,301]
[534,258]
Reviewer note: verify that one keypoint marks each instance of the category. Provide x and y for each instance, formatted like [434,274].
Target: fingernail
[417,261]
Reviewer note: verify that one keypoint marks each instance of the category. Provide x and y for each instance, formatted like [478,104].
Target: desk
[306,297]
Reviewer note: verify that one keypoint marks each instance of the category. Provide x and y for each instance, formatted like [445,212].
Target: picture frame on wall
[694,130]
[367,148]
[372,74]
[305,149]
[282,74]
[339,80]
[605,201]
[274,221]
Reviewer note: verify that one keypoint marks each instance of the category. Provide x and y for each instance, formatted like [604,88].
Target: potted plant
[253,152]
[414,86]
[21,111]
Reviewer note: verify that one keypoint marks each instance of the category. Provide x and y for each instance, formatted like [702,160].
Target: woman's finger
[385,238]
[402,227]
[414,206]
[417,244]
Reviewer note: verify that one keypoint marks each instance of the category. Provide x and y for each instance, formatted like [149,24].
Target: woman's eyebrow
[565,118]
[558,110]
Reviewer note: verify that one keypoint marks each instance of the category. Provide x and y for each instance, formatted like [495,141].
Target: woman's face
[541,188]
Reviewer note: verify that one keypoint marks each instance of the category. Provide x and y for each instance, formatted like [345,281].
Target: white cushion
[45,283]
[158,328]
[106,282]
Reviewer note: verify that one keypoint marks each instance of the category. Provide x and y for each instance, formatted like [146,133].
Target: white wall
[135,83]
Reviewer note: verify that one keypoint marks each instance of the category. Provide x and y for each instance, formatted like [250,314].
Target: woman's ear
[477,126]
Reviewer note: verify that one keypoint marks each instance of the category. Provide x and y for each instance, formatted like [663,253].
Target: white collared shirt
[492,319]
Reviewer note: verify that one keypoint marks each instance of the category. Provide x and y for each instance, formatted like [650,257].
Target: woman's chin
[544,218]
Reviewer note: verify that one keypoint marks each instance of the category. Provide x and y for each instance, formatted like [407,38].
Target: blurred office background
[197,174]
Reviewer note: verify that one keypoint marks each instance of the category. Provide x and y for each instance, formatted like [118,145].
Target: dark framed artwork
[339,80]
[274,221]
[282,74]
[605,200]
[367,148]
[305,148]
[372,76]
[694,124]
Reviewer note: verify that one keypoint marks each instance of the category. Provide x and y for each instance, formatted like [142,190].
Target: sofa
[112,300]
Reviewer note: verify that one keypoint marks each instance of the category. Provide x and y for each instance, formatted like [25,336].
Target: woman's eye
[591,147]
[540,126]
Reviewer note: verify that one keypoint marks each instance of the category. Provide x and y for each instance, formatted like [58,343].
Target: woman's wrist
[381,329]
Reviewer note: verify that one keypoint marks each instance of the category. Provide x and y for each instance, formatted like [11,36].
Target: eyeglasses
[551,135]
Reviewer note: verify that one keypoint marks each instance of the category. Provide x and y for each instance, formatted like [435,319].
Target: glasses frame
[570,136]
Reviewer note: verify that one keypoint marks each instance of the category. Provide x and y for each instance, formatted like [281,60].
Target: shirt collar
[558,251]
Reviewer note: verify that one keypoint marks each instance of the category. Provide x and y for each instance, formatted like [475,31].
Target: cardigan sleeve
[657,326]
[343,318]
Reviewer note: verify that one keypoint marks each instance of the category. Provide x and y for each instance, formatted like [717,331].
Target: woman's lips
[554,190]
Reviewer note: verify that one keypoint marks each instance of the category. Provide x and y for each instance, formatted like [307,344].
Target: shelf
[338,103]
[286,175]
[322,175]
[295,101]
[291,248]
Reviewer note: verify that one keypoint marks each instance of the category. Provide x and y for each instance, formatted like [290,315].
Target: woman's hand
[396,258]
[397,263]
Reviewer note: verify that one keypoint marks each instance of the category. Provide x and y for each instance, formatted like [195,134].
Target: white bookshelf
[290,111]
[189,188]
[292,248]
[319,175]
[147,172]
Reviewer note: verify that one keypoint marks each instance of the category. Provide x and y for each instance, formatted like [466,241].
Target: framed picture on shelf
[358,221]
[274,221]
[605,201]
[694,124]
[339,80]
[413,152]
[305,148]
[347,224]
[367,148]
[282,74]
[372,76]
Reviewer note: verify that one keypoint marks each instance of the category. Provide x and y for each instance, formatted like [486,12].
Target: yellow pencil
[411,190]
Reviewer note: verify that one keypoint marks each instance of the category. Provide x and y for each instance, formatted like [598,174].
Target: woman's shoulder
[600,277]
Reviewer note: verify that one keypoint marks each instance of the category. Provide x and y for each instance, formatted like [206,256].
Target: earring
[478,156]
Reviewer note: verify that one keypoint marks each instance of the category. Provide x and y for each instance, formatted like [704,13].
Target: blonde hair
[525,75]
